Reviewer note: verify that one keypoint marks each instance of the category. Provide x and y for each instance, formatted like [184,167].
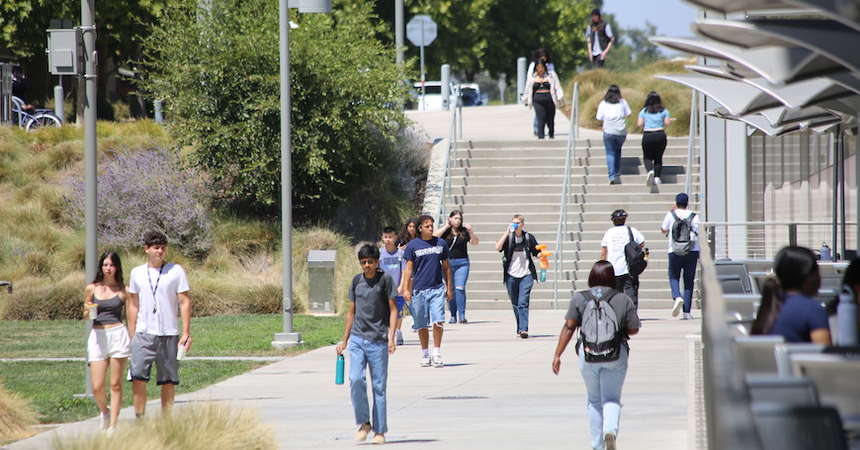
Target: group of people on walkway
[156,298]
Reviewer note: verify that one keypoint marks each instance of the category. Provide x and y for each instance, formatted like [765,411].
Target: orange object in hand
[543,255]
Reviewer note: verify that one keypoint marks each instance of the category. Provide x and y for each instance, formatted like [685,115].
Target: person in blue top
[426,260]
[653,119]
[788,305]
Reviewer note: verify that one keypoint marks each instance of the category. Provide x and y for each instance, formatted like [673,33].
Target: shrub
[193,427]
[16,417]
[39,299]
[147,190]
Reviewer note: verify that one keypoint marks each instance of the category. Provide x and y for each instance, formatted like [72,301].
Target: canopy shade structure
[783,116]
[730,6]
[777,64]
[846,12]
[735,96]
[826,37]
[762,124]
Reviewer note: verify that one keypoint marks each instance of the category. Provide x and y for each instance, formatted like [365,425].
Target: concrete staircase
[493,180]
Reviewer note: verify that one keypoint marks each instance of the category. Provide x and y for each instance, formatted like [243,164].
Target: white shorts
[108,343]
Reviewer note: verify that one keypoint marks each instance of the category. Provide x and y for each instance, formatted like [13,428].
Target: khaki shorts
[149,348]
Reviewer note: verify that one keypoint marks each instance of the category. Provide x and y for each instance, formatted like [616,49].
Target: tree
[218,72]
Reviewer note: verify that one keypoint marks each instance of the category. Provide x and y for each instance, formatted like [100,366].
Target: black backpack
[682,230]
[635,254]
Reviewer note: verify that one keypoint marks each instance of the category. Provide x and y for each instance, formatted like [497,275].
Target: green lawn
[51,386]
[232,335]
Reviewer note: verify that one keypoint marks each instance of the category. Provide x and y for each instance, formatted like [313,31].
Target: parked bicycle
[40,117]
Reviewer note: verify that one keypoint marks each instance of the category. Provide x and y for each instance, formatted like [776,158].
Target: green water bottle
[338,372]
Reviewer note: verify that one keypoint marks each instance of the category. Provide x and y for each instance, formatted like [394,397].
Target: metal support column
[88,29]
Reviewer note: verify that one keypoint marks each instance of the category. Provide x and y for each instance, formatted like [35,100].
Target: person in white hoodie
[545,94]
[613,111]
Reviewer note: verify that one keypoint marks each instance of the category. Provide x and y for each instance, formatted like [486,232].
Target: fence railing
[561,231]
[455,134]
[761,240]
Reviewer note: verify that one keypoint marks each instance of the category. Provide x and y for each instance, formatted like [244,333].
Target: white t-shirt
[682,214]
[613,116]
[614,240]
[159,314]
[519,265]
[595,45]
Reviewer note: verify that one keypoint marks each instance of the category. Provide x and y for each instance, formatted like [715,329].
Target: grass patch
[233,335]
[51,386]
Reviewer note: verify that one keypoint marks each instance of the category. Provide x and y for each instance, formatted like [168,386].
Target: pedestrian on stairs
[653,118]
[544,93]
[518,270]
[682,227]
[613,111]
[612,249]
[457,236]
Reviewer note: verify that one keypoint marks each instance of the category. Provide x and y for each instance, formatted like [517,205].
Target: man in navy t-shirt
[426,260]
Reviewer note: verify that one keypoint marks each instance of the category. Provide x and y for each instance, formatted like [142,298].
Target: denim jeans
[603,383]
[460,269]
[520,291]
[613,144]
[687,264]
[373,354]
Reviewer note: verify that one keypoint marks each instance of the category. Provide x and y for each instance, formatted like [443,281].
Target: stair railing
[694,128]
[561,231]
[454,135]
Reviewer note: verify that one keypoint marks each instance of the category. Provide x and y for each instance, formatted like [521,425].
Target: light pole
[88,29]
[398,30]
[288,337]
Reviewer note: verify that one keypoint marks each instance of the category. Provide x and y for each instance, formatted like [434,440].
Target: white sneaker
[657,180]
[104,420]
[688,316]
[676,308]
[437,361]
[649,179]
[425,361]
[398,337]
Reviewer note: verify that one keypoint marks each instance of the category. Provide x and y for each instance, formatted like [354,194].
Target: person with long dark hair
[457,235]
[408,233]
[603,364]
[108,345]
[544,55]
[653,119]
[544,93]
[788,306]
[613,111]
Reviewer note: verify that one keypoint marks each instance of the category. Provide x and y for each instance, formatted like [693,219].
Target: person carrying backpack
[606,319]
[682,227]
[624,247]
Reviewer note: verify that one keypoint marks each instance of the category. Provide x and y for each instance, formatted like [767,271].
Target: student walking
[408,233]
[613,249]
[606,319]
[599,39]
[391,262]
[158,290]
[370,339]
[544,55]
[457,235]
[613,111]
[682,227]
[426,261]
[108,342]
[788,306]
[653,118]
[518,270]
[544,93]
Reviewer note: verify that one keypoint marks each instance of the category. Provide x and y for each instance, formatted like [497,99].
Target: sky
[672,17]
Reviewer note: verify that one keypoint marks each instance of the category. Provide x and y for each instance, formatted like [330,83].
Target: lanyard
[154,289]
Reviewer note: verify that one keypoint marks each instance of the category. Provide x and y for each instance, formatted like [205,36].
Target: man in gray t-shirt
[370,340]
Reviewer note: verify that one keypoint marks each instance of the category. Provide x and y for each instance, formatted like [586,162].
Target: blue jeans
[427,307]
[373,354]
[460,269]
[613,144]
[603,382]
[687,264]
[520,291]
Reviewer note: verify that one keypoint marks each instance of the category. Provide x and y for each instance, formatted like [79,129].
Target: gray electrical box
[64,52]
[321,281]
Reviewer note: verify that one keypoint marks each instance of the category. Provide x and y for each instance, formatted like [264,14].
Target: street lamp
[288,337]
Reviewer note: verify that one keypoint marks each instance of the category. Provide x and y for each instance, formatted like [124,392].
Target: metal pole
[59,107]
[446,86]
[792,234]
[693,125]
[286,338]
[159,114]
[521,78]
[398,31]
[840,139]
[90,157]
[835,208]
[423,103]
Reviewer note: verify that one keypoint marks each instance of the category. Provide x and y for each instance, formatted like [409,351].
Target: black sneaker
[524,334]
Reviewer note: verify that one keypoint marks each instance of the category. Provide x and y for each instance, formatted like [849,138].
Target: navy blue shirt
[426,257]
[797,318]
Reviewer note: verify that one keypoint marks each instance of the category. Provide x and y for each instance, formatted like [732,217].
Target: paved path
[497,391]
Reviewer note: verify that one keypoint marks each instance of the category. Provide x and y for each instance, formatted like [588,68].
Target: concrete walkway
[496,391]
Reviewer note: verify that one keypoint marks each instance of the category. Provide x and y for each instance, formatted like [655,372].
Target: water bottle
[338,371]
[825,252]
[846,318]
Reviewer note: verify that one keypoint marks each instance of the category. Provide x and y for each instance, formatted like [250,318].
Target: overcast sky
[672,17]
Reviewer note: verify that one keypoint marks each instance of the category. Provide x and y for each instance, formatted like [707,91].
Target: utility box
[64,52]
[5,94]
[321,281]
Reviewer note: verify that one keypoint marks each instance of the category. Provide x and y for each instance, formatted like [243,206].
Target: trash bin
[321,281]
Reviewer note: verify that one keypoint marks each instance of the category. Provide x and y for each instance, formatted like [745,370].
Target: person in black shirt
[458,235]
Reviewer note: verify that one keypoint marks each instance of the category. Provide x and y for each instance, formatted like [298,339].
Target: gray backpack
[682,231]
[599,333]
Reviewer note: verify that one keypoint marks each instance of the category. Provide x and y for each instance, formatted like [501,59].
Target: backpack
[635,255]
[599,333]
[682,230]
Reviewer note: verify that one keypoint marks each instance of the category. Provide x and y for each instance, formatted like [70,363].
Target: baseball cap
[618,213]
[682,199]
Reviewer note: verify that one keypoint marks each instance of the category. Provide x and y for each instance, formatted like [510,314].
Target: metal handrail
[453,136]
[561,231]
[694,125]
